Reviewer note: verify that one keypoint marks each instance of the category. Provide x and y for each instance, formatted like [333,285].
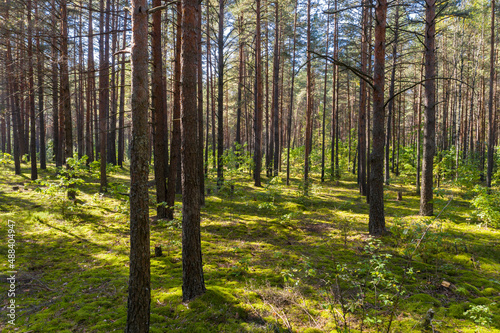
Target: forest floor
[274,260]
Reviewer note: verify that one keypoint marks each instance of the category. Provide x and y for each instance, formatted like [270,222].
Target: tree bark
[65,91]
[491,111]
[426,202]
[290,111]
[158,110]
[139,294]
[308,134]
[258,102]
[192,266]
[376,223]
[175,148]
[390,106]
[220,97]
[31,78]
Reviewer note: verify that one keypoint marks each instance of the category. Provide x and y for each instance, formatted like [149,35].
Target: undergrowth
[275,260]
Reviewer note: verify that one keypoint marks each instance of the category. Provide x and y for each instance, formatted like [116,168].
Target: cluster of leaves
[61,190]
[480,314]
[5,159]
[487,206]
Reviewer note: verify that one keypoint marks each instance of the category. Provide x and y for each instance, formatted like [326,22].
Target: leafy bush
[480,314]
[487,206]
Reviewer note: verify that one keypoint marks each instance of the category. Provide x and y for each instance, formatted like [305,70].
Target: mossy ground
[270,256]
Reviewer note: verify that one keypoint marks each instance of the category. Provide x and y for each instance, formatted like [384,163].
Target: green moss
[481,301]
[456,310]
[489,292]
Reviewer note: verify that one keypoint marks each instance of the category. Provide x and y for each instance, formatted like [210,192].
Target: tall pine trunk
[376,223]
[139,286]
[426,201]
[193,283]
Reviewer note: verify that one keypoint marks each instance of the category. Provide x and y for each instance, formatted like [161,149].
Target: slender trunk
[323,131]
[491,111]
[362,105]
[31,78]
[41,107]
[390,106]
[65,92]
[308,134]
[159,126]
[121,116]
[175,148]
[258,101]
[276,69]
[220,98]
[103,90]
[426,202]
[290,112]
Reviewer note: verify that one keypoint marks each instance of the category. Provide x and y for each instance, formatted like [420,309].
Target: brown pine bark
[275,144]
[175,148]
[390,106]
[426,196]
[308,133]
[40,92]
[55,91]
[139,287]
[258,102]
[290,111]
[89,143]
[65,91]
[376,224]
[158,111]
[323,123]
[103,90]
[362,105]
[199,74]
[192,267]
[491,111]
[121,115]
[31,91]
[220,97]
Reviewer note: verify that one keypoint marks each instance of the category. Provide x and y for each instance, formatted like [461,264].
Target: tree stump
[158,252]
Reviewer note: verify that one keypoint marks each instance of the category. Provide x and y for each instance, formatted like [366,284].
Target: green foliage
[6,159]
[480,314]
[487,206]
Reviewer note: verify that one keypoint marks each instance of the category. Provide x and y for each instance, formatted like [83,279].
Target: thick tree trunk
[377,218]
[139,290]
[192,267]
[426,197]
